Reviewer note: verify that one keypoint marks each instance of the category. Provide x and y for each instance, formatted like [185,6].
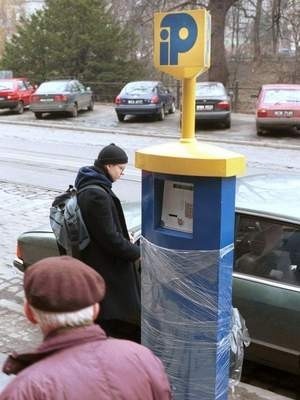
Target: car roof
[60,80]
[281,86]
[142,82]
[276,195]
[209,83]
[14,79]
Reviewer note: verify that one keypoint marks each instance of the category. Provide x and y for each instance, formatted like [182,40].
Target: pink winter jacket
[83,364]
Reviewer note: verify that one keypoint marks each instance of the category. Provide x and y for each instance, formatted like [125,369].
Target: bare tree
[256,31]
[276,13]
[218,70]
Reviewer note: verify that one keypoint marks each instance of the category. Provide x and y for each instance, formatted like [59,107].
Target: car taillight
[261,113]
[60,97]
[118,100]
[154,99]
[35,98]
[222,105]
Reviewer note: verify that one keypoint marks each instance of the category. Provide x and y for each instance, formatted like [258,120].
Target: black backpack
[67,223]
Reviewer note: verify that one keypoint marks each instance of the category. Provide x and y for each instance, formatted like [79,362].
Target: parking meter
[188,205]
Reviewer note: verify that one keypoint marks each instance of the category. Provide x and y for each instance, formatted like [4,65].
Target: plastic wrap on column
[183,319]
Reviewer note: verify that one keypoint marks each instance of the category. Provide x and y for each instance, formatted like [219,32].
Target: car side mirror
[253,96]
[231,94]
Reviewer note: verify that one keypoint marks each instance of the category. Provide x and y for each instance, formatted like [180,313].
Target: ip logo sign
[178,34]
[182,42]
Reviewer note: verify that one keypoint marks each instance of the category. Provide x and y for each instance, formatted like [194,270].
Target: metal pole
[188,111]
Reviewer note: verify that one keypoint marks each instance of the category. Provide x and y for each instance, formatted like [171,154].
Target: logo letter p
[178,34]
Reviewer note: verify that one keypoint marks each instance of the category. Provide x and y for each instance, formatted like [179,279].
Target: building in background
[10,13]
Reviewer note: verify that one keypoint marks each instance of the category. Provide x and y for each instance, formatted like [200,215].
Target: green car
[266,272]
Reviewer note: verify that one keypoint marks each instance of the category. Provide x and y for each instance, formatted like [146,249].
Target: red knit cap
[62,284]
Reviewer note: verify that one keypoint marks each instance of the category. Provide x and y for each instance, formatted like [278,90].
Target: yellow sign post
[182,49]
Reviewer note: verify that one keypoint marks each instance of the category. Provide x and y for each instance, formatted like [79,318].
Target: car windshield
[138,88]
[282,96]
[52,87]
[210,90]
[4,85]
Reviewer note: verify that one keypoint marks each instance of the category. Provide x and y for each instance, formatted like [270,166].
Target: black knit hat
[62,284]
[111,154]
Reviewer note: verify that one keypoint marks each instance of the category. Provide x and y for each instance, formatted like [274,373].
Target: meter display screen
[177,207]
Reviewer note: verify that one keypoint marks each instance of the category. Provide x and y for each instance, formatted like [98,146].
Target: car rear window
[52,87]
[138,88]
[210,90]
[282,96]
[4,85]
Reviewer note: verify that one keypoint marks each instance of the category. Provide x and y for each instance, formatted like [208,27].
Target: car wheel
[172,109]
[19,109]
[74,112]
[91,105]
[227,123]
[38,115]
[121,117]
[260,132]
[161,115]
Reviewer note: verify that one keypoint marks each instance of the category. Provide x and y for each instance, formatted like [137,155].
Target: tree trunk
[218,70]
[276,11]
[256,31]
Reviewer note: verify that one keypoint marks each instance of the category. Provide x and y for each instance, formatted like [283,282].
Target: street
[40,159]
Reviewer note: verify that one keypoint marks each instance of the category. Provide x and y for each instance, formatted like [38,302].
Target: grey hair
[49,321]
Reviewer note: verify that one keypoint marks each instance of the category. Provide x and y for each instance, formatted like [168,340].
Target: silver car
[61,96]
[266,270]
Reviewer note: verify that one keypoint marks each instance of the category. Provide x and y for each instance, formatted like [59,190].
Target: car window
[74,87]
[138,88]
[281,96]
[210,90]
[52,87]
[267,249]
[6,85]
[80,87]
[21,85]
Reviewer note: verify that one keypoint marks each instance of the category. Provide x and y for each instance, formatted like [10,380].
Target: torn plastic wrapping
[186,308]
[239,339]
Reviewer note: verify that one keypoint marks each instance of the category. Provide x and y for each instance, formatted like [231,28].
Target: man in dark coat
[76,359]
[110,252]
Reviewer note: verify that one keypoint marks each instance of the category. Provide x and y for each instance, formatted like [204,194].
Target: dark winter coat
[83,364]
[110,252]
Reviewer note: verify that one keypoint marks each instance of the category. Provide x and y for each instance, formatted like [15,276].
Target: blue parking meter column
[187,252]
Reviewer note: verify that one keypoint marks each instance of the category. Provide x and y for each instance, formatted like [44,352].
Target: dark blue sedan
[144,98]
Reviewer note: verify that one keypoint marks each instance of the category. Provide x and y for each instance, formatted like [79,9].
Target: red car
[15,94]
[278,107]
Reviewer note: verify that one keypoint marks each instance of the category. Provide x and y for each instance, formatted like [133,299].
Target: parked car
[58,96]
[213,103]
[277,107]
[266,271]
[15,94]
[144,98]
